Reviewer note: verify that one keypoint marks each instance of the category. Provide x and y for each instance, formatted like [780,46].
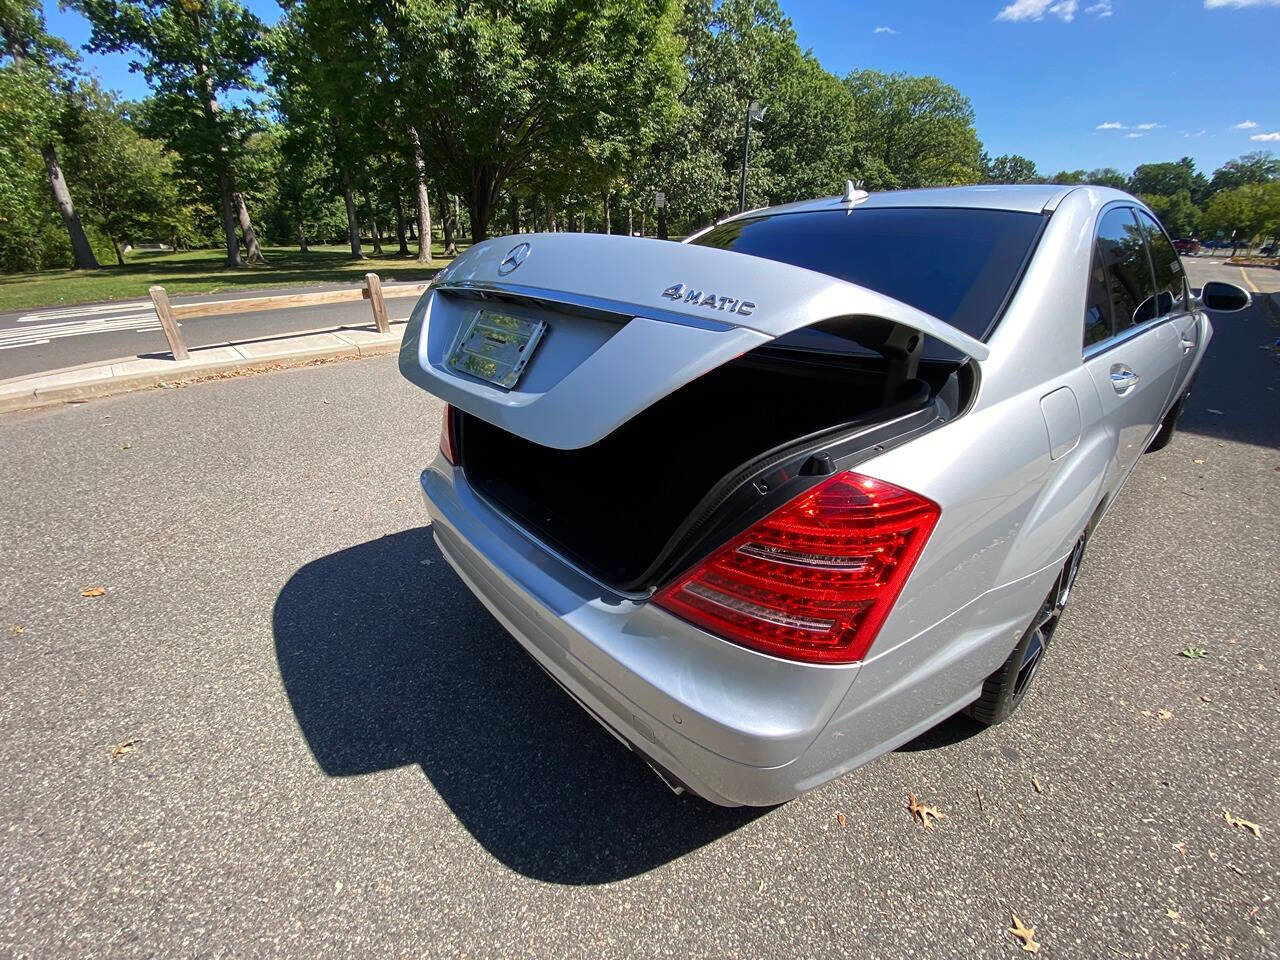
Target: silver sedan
[778,499]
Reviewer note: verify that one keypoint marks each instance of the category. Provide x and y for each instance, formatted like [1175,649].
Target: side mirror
[1223,297]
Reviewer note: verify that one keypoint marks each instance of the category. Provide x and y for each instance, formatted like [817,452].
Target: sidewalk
[148,370]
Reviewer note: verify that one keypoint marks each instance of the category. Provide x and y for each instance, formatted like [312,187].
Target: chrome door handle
[1188,345]
[1122,378]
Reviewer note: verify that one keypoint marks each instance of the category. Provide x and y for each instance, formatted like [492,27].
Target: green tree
[1179,215]
[1009,168]
[1261,166]
[40,65]
[194,54]
[913,131]
[125,181]
[1070,177]
[498,92]
[1108,177]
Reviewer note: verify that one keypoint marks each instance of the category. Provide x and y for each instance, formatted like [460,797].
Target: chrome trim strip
[1102,346]
[599,304]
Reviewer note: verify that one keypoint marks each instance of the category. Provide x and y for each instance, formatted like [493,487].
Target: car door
[1134,358]
[1174,298]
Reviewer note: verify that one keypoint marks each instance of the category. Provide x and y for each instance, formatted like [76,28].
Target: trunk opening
[615,507]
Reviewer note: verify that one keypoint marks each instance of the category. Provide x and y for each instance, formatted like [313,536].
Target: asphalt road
[339,752]
[35,341]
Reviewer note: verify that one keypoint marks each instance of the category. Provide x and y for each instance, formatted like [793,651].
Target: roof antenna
[853,193]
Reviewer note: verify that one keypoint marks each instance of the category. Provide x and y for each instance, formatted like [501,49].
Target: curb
[116,376]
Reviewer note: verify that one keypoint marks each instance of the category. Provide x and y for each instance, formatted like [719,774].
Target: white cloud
[1110,125]
[1215,4]
[1149,126]
[1133,136]
[1198,133]
[884,30]
[1267,137]
[1100,9]
[1247,125]
[1036,9]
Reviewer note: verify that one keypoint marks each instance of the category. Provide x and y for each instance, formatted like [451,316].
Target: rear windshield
[957,265]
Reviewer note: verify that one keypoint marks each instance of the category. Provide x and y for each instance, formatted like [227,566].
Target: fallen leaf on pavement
[1026,935]
[125,746]
[1164,714]
[17,629]
[1173,914]
[842,819]
[1242,823]
[922,814]
[1197,461]
[1194,653]
[93,591]
[1204,699]
[1036,784]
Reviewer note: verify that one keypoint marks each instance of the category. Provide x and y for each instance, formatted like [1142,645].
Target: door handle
[1122,378]
[1188,344]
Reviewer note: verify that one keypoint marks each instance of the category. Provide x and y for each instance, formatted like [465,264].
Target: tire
[1005,690]
[1167,426]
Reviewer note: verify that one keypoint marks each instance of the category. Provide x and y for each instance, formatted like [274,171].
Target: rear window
[957,265]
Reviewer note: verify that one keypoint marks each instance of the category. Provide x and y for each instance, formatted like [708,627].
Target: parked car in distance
[1187,246]
[777,499]
[1268,251]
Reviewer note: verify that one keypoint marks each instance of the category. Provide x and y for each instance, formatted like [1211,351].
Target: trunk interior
[613,506]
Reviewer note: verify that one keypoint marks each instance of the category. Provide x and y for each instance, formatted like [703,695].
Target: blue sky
[1175,77]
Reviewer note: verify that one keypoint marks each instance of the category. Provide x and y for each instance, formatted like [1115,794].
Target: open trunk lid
[614,324]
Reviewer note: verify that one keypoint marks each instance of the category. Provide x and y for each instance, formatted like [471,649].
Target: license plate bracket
[496,347]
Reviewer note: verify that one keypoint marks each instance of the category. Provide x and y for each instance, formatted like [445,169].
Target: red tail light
[815,579]
[446,436]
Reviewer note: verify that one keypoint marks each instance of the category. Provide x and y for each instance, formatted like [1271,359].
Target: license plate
[496,347]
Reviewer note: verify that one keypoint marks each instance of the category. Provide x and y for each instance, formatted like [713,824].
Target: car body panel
[1017,487]
[618,344]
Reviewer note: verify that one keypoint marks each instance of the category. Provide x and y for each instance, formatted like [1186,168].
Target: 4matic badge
[678,291]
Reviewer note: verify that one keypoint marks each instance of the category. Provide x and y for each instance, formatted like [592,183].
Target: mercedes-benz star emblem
[518,255]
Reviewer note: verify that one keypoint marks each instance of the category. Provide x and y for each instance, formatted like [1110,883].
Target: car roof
[1022,197]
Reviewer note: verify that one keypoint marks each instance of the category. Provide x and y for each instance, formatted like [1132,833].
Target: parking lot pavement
[333,749]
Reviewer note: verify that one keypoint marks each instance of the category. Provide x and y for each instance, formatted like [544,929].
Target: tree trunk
[374,232]
[302,237]
[515,213]
[119,253]
[551,215]
[457,217]
[448,225]
[209,103]
[424,199]
[631,221]
[353,225]
[80,249]
[400,234]
[253,252]
[608,226]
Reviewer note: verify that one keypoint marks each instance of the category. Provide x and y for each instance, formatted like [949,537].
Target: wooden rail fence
[373,291]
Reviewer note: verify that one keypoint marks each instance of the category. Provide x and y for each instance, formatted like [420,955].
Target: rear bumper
[734,726]
[726,722]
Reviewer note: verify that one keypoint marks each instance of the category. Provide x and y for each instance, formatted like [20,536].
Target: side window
[1097,311]
[1129,281]
[1171,293]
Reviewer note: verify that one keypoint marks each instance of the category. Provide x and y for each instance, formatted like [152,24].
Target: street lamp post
[754,112]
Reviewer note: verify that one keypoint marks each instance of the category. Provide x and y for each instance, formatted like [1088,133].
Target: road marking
[1248,281]
[71,313]
[36,335]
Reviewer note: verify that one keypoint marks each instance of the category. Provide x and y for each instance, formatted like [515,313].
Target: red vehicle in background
[1187,247]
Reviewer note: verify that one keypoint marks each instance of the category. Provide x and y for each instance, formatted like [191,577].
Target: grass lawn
[203,271]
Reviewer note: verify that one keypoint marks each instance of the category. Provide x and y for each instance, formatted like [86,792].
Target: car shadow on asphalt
[388,660]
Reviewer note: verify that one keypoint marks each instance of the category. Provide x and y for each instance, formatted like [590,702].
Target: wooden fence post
[164,313]
[373,285]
